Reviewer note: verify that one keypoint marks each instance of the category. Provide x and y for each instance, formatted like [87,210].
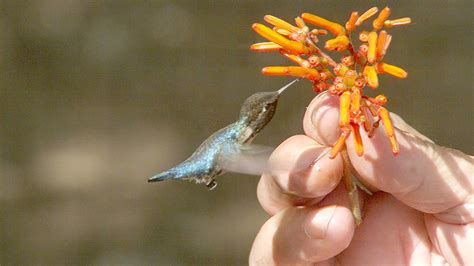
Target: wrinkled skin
[421,214]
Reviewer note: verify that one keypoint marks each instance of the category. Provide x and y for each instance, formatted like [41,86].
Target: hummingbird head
[258,109]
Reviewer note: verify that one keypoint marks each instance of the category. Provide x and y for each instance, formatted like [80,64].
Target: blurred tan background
[97,96]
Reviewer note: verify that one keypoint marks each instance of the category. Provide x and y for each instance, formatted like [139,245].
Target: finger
[453,241]
[425,176]
[392,233]
[294,178]
[303,235]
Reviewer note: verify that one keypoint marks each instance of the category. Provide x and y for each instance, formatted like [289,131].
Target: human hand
[421,214]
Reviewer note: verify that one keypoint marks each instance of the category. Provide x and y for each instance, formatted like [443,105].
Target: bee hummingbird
[212,158]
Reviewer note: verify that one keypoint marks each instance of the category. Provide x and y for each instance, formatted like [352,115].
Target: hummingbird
[218,153]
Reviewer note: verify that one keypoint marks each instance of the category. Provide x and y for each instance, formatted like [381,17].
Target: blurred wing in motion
[249,159]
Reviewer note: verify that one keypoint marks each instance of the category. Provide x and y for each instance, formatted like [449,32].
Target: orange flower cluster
[359,67]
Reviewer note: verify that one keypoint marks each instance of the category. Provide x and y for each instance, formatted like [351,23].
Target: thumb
[425,176]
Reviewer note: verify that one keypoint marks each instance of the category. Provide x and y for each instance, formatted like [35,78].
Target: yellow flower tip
[372,47]
[394,145]
[280,23]
[344,104]
[371,76]
[269,34]
[333,27]
[340,43]
[359,146]
[392,70]
[397,22]
[265,47]
[350,24]
[319,32]
[385,117]
[282,32]
[366,15]
[300,23]
[383,16]
[355,101]
[389,129]
[340,143]
[275,71]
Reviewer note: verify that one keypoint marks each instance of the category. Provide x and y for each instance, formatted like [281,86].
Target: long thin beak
[280,91]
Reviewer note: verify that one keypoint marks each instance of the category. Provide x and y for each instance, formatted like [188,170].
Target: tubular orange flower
[344,103]
[280,23]
[367,14]
[367,122]
[273,36]
[350,24]
[355,101]
[389,130]
[295,71]
[394,145]
[384,115]
[381,44]
[392,70]
[300,23]
[358,68]
[265,47]
[372,47]
[335,28]
[397,22]
[300,61]
[371,76]
[339,43]
[319,32]
[282,31]
[357,139]
[379,21]
[340,143]
[388,39]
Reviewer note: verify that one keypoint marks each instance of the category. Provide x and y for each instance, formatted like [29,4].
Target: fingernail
[316,225]
[314,119]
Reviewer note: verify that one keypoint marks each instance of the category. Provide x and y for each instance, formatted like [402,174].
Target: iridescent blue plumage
[203,165]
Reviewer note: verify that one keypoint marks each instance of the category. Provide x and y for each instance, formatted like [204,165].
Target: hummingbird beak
[161,177]
[282,89]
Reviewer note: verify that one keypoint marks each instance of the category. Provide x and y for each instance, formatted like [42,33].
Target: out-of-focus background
[97,96]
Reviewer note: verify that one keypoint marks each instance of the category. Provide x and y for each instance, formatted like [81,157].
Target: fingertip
[332,223]
[331,228]
[296,172]
[303,235]
[320,121]
[271,197]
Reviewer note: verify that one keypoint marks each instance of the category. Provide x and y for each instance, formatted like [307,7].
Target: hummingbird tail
[161,176]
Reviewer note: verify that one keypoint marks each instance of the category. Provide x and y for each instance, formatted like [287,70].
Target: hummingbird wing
[245,159]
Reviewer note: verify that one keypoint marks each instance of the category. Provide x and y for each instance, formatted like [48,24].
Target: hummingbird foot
[211,184]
